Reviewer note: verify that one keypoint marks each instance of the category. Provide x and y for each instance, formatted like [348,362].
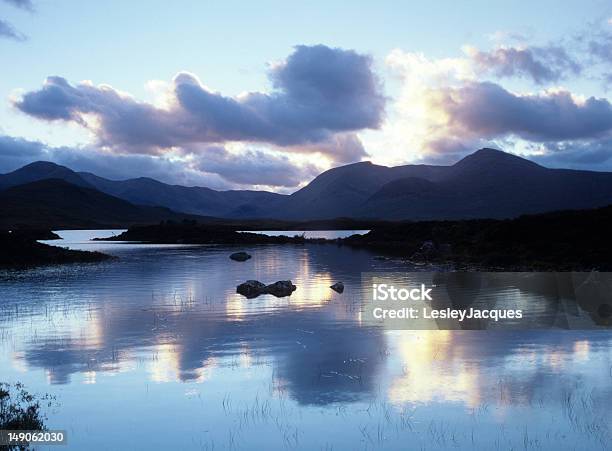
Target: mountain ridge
[487,183]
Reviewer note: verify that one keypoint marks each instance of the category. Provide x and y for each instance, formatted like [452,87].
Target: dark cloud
[328,89]
[213,166]
[541,64]
[23,4]
[588,154]
[255,167]
[7,31]
[123,120]
[486,110]
[17,152]
[342,148]
[448,150]
[123,167]
[319,92]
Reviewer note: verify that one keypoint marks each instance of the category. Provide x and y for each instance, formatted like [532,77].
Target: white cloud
[445,108]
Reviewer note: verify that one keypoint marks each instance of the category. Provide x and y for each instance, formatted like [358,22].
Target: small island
[193,232]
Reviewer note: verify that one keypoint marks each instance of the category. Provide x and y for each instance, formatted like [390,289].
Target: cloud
[505,35]
[255,167]
[214,167]
[7,31]
[341,147]
[607,80]
[587,154]
[319,92]
[446,110]
[23,4]
[448,149]
[600,46]
[541,64]
[16,152]
[487,110]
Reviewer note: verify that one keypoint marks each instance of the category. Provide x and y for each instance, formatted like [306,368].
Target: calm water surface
[157,351]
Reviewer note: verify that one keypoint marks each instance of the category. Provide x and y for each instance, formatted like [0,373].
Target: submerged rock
[338,287]
[251,288]
[240,256]
[281,288]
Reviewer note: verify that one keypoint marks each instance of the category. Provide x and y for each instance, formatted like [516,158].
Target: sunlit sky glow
[267,94]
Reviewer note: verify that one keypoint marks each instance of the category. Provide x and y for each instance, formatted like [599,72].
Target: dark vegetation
[192,232]
[564,240]
[19,249]
[20,410]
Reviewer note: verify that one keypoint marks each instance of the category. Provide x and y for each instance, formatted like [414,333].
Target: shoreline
[575,240]
[21,250]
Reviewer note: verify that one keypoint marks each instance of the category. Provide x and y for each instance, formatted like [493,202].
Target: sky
[268,94]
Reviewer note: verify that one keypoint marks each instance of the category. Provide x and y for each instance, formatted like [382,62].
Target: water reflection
[545,300]
[162,328]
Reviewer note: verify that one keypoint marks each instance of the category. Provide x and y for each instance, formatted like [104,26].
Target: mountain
[489,184]
[41,170]
[147,191]
[193,200]
[486,184]
[55,203]
[342,191]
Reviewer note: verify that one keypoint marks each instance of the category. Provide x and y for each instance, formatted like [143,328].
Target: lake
[157,351]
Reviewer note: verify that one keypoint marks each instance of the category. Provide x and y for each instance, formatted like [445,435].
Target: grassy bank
[19,249]
[565,240]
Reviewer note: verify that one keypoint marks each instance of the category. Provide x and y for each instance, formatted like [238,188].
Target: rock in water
[240,256]
[251,288]
[281,288]
[338,287]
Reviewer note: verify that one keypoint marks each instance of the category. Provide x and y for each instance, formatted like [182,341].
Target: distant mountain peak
[488,157]
[44,165]
[40,163]
[40,170]
[490,151]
